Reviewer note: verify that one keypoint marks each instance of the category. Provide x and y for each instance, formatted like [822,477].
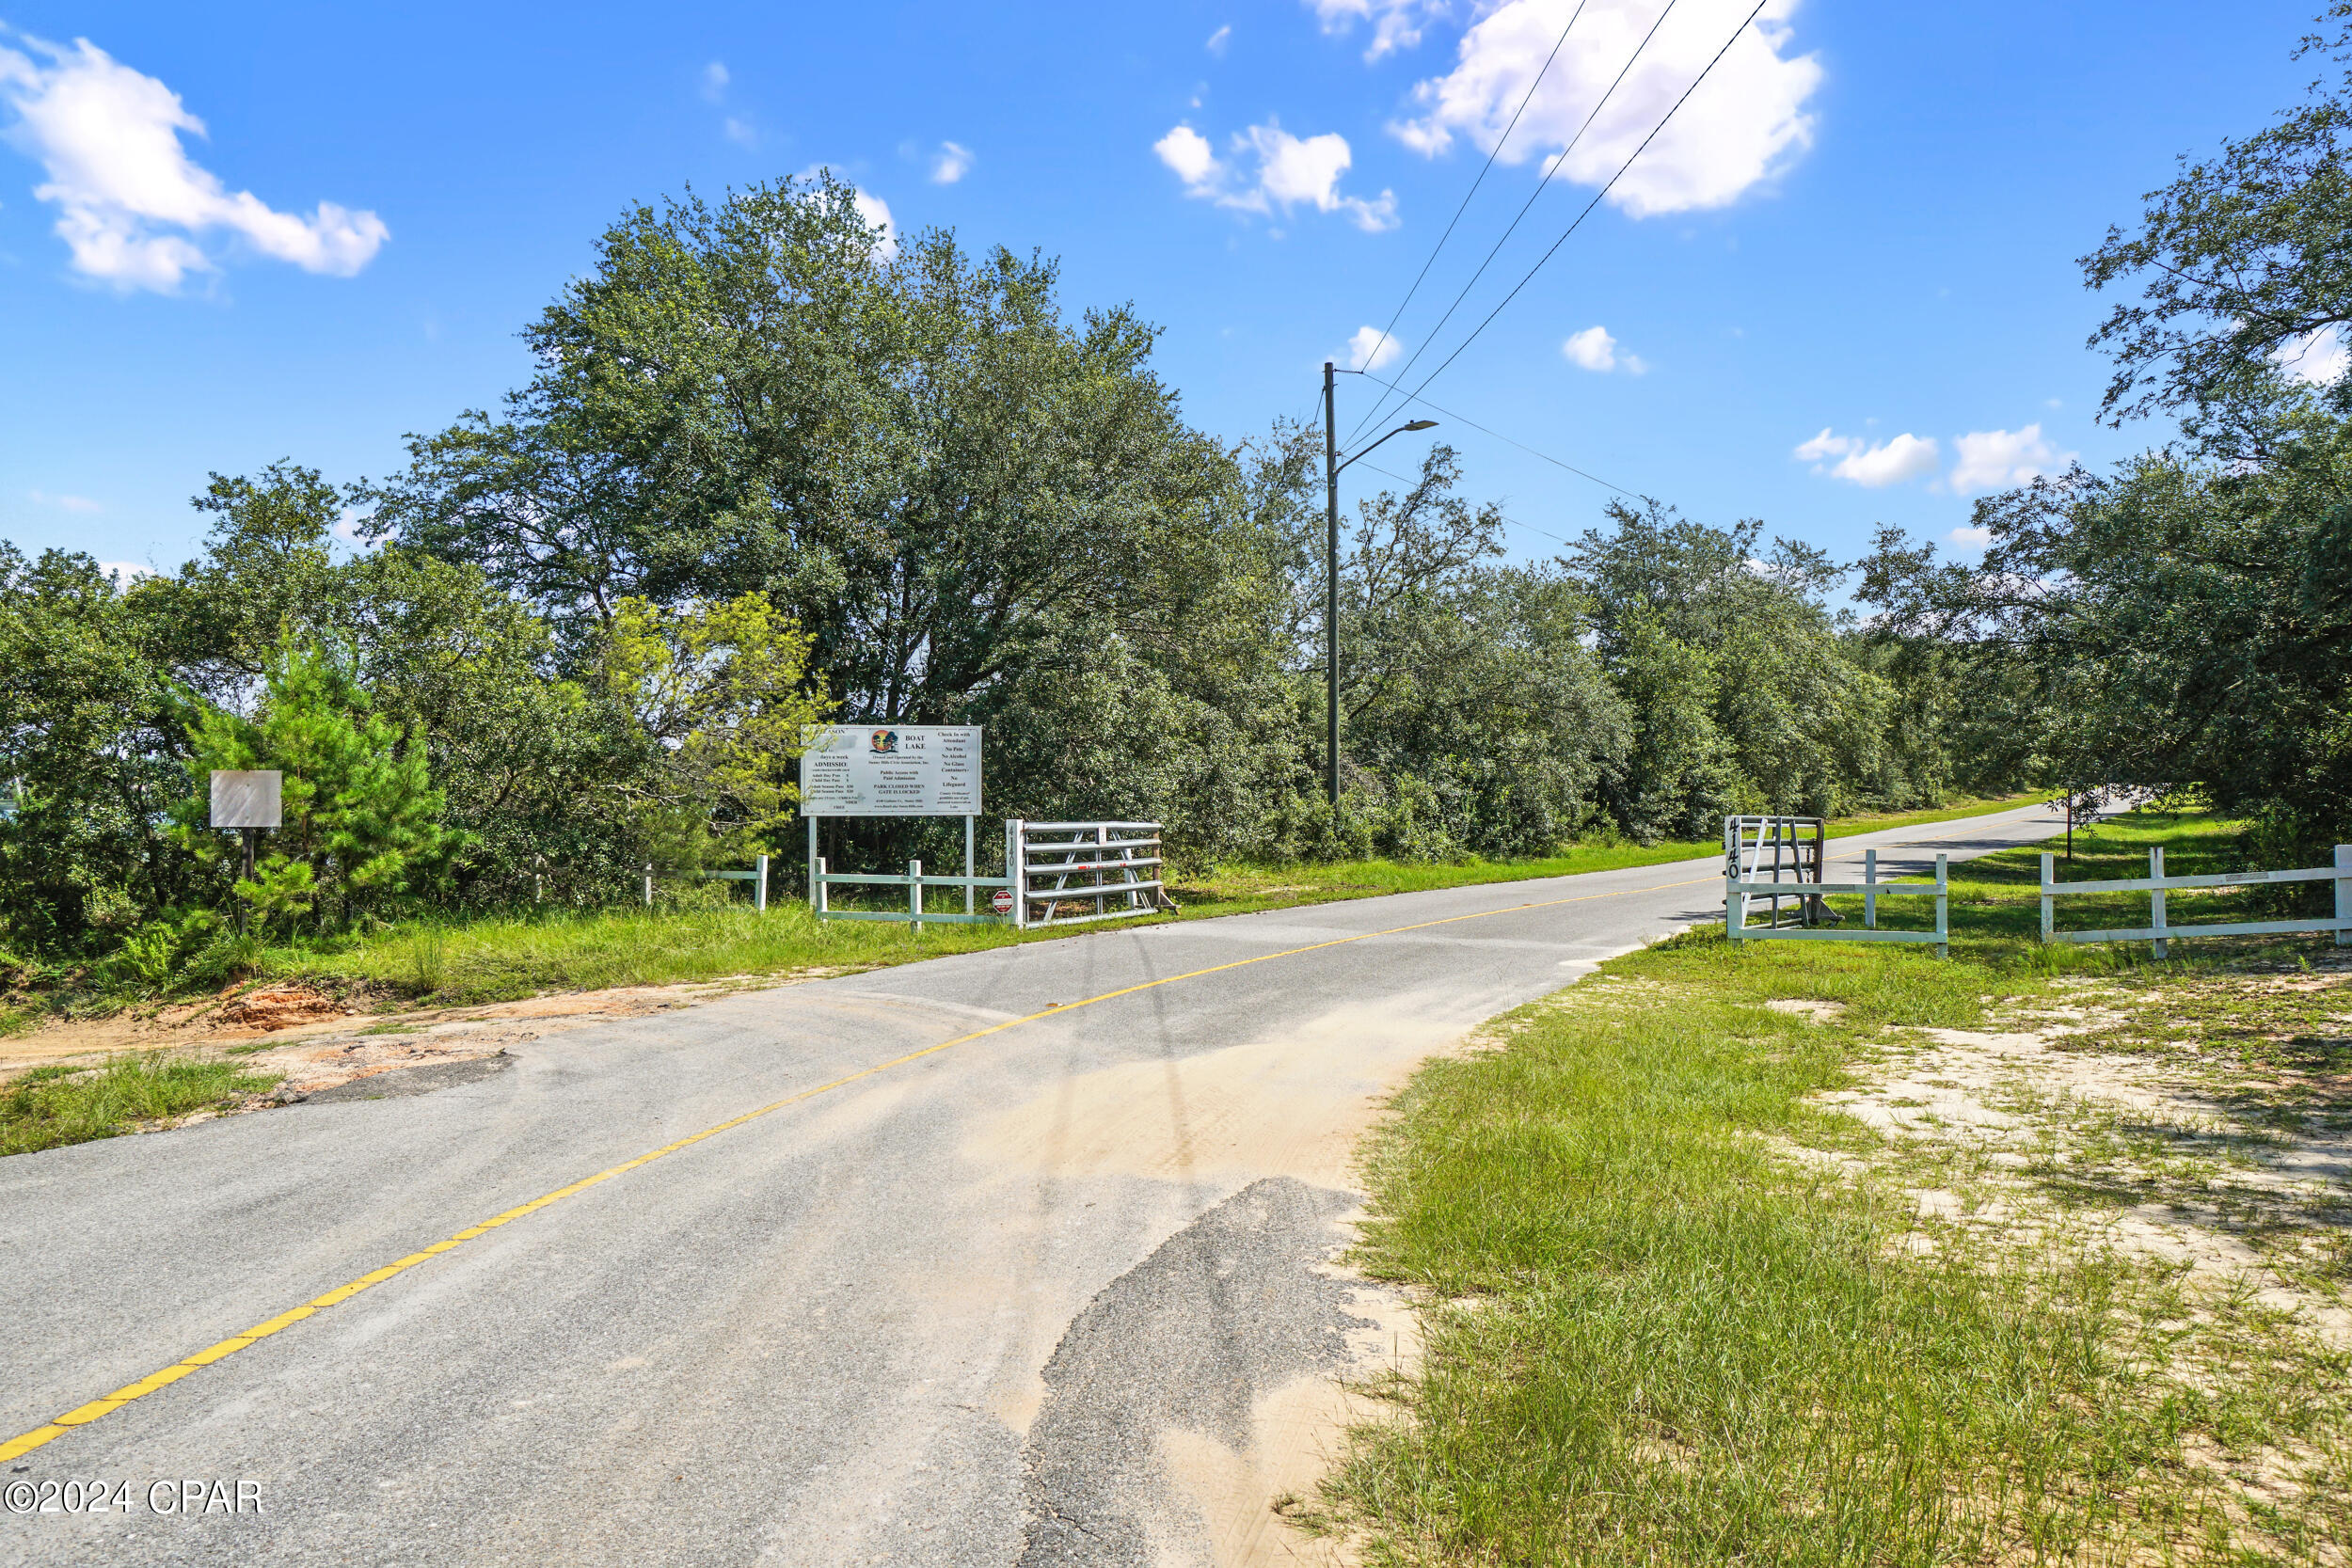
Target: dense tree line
[2184,623]
[770,469]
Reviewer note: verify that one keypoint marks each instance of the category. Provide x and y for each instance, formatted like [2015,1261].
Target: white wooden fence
[1740,885]
[1749,841]
[2161,931]
[758,877]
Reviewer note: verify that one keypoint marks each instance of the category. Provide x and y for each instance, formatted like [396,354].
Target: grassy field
[1683,1309]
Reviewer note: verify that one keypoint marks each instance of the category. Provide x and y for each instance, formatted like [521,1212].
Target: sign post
[249,801]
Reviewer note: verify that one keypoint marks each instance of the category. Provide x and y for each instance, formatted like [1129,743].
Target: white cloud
[1218,40]
[130,202]
[1596,350]
[1292,171]
[2318,357]
[1825,445]
[1188,152]
[1395,24]
[739,130]
[1999,459]
[125,573]
[872,208]
[1972,538]
[952,162]
[1371,348]
[715,81]
[1744,125]
[876,212]
[65,503]
[1873,468]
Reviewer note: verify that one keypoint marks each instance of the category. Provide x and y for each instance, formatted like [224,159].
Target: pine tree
[361,819]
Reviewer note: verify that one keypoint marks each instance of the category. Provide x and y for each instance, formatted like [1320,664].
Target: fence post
[967,864]
[1735,903]
[2156,900]
[2049,897]
[915,893]
[2343,895]
[1816,909]
[760,887]
[649,884]
[817,894]
[1017,873]
[1943,907]
[1871,890]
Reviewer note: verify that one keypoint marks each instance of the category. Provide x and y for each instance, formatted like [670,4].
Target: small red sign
[1001,900]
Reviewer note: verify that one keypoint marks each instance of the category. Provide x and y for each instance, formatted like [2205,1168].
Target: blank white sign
[245,799]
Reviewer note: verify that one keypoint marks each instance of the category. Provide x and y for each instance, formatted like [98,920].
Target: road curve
[1016,1257]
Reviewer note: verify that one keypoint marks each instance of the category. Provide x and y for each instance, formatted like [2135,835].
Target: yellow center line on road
[107,1403]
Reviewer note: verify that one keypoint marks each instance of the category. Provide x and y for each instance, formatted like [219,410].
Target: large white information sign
[891,770]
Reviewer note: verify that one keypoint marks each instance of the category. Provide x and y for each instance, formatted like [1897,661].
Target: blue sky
[230,236]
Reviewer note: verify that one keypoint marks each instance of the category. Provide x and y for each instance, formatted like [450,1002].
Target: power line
[1596,199]
[1511,520]
[1492,155]
[1561,157]
[1531,451]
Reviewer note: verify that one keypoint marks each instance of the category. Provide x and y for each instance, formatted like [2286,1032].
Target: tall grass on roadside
[503,956]
[1678,1342]
[428,954]
[53,1105]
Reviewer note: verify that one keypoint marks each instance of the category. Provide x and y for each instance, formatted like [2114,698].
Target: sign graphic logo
[885,742]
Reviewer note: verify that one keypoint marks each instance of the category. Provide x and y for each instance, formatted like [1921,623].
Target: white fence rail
[2162,932]
[758,877]
[1109,870]
[1740,886]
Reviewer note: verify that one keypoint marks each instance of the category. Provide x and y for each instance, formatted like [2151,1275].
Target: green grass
[1672,1341]
[64,1104]
[502,958]
[1660,1334]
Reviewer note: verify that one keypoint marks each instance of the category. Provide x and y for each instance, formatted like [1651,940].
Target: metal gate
[1109,870]
[1767,848]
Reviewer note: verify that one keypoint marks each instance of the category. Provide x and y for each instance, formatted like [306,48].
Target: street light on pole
[1332,467]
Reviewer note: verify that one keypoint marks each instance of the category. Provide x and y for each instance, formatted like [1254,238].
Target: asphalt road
[1052,1295]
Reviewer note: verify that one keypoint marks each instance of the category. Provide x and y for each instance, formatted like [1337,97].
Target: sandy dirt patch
[318,1042]
[1294,1106]
[2236,1174]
